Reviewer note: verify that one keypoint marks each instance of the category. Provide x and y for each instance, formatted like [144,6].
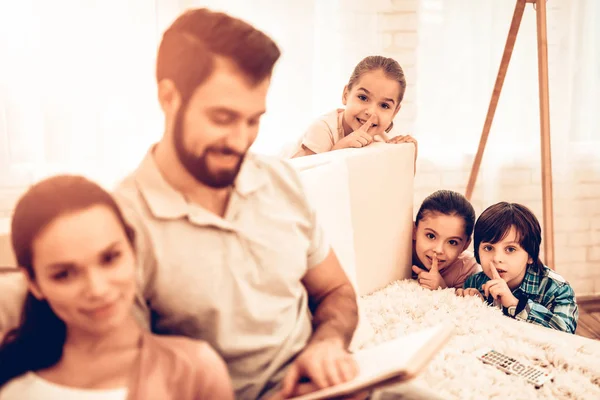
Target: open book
[389,363]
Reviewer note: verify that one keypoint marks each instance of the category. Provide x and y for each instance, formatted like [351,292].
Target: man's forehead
[228,87]
[225,71]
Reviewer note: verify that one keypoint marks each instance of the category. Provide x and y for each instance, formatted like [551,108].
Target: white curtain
[460,47]
[582,71]
[77,91]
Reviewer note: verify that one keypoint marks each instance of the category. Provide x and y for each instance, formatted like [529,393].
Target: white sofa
[6,256]
[364,201]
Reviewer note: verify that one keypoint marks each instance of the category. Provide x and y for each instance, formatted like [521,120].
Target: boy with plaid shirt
[507,242]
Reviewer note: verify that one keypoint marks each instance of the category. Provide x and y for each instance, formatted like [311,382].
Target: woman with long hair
[78,338]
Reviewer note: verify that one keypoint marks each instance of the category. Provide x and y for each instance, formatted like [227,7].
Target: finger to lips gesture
[359,138]
[498,289]
[431,279]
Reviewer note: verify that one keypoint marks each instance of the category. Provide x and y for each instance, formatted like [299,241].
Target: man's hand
[359,138]
[325,363]
[309,387]
[430,279]
[499,289]
[469,292]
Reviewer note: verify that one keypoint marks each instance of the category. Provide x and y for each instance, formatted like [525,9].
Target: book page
[394,358]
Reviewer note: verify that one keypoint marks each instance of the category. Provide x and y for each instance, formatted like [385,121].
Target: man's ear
[32,285]
[345,94]
[169,97]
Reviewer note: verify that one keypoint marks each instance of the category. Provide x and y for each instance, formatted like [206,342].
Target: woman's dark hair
[38,342]
[448,202]
[495,222]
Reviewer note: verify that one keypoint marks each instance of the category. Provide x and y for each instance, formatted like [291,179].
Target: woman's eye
[430,235]
[487,248]
[62,275]
[511,249]
[362,97]
[109,258]
[453,243]
[386,106]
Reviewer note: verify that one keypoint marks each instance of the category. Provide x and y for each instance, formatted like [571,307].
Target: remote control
[534,375]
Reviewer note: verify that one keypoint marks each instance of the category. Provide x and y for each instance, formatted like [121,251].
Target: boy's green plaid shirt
[544,298]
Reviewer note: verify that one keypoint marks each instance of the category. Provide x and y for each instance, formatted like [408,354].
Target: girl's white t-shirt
[30,386]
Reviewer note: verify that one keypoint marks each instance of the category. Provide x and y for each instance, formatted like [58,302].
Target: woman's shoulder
[31,386]
[193,364]
[182,345]
[20,385]
[180,350]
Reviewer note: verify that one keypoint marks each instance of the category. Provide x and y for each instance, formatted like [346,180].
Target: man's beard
[197,166]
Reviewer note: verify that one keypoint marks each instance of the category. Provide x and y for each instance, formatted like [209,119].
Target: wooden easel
[542,47]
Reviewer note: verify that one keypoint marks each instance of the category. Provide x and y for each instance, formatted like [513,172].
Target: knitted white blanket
[455,373]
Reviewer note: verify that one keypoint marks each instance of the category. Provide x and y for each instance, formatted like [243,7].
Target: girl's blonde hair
[390,68]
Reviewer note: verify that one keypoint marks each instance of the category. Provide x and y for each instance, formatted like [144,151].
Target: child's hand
[430,279]
[469,292]
[499,289]
[405,139]
[358,138]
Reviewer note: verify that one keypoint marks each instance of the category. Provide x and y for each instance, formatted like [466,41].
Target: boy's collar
[531,280]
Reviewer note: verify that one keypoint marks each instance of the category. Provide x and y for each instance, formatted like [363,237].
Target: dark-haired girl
[441,235]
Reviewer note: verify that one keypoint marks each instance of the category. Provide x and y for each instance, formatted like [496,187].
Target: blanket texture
[455,373]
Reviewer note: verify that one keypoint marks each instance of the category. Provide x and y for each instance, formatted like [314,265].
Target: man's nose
[238,140]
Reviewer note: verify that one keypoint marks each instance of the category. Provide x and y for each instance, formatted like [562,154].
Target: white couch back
[7,258]
[364,200]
